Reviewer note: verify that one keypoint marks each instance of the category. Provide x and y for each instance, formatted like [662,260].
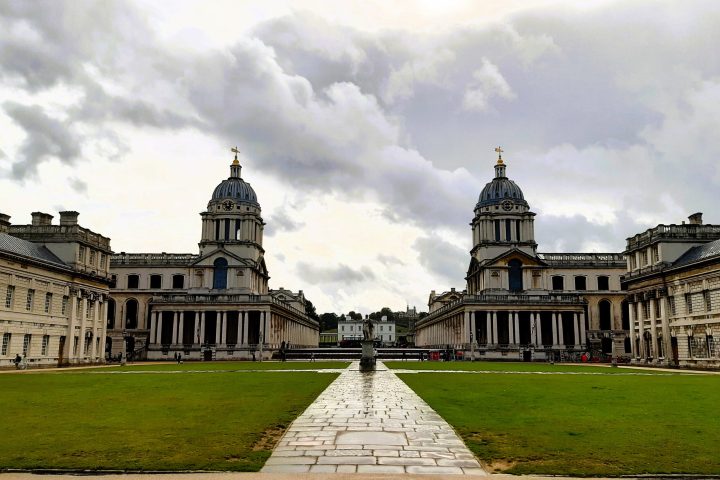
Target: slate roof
[700,252]
[23,248]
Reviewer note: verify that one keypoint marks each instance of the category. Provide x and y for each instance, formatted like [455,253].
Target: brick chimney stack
[4,223]
[41,219]
[68,218]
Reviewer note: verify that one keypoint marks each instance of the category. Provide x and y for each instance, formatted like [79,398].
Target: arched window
[131,313]
[515,275]
[605,315]
[110,313]
[220,274]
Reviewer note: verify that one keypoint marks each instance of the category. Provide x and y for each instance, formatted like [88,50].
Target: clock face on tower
[507,205]
[228,205]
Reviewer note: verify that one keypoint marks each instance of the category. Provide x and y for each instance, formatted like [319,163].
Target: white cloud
[488,83]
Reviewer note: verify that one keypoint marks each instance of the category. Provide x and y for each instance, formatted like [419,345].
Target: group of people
[20,364]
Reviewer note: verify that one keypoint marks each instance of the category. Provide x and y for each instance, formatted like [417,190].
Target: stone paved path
[371,423]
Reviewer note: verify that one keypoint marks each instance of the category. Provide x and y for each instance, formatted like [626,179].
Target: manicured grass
[515,367]
[582,424]
[172,366]
[193,421]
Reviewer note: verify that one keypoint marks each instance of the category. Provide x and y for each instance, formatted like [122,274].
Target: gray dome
[500,189]
[235,188]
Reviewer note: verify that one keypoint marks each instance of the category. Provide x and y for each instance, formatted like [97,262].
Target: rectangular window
[632,262]
[517,230]
[688,302]
[497,230]
[580,283]
[227,229]
[603,283]
[708,303]
[65,300]
[558,283]
[30,300]
[113,281]
[155,281]
[81,254]
[178,281]
[655,254]
[658,315]
[93,254]
[9,295]
[5,343]
[671,301]
[133,281]
[643,258]
[48,302]
[26,344]
[217,229]
[45,343]
[102,261]
[646,310]
[78,308]
[75,345]
[90,309]
[508,229]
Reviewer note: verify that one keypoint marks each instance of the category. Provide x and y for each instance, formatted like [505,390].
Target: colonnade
[463,327]
[272,329]
[645,319]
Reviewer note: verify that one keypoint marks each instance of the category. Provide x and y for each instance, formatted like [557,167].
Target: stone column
[582,329]
[153,327]
[631,314]
[263,317]
[494,329]
[516,321]
[653,330]
[223,333]
[665,326]
[466,329]
[72,322]
[158,336]
[473,328]
[561,339]
[202,327]
[103,330]
[218,327]
[196,328]
[576,325]
[174,328]
[83,324]
[245,322]
[538,329]
[555,330]
[96,330]
[181,329]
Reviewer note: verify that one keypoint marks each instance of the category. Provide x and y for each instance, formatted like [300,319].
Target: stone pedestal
[367,360]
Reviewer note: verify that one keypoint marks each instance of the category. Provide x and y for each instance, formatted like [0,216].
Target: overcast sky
[367,129]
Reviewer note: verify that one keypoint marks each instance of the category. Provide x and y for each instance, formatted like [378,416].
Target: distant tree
[310,310]
[328,321]
[355,316]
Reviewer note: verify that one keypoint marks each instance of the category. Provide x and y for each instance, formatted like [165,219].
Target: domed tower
[503,220]
[232,221]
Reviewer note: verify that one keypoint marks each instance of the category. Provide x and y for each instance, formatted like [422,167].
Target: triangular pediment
[233,260]
[514,254]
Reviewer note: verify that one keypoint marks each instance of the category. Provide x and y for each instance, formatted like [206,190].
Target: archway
[131,313]
[220,273]
[605,315]
[110,314]
[515,275]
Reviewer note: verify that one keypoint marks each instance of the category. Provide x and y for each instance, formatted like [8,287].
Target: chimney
[695,218]
[40,219]
[4,223]
[68,218]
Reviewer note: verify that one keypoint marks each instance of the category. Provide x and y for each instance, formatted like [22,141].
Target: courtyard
[515,418]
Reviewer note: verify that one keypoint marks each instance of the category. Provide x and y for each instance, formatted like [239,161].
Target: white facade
[385,330]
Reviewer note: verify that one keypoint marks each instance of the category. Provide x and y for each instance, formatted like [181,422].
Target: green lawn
[291,365]
[164,421]
[515,367]
[581,424]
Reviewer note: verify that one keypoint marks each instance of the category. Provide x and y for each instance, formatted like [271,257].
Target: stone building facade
[520,304]
[54,282]
[673,286]
[215,304]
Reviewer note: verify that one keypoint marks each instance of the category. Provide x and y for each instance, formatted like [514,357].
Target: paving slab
[371,423]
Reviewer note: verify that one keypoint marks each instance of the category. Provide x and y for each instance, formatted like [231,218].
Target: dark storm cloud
[442,258]
[342,274]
